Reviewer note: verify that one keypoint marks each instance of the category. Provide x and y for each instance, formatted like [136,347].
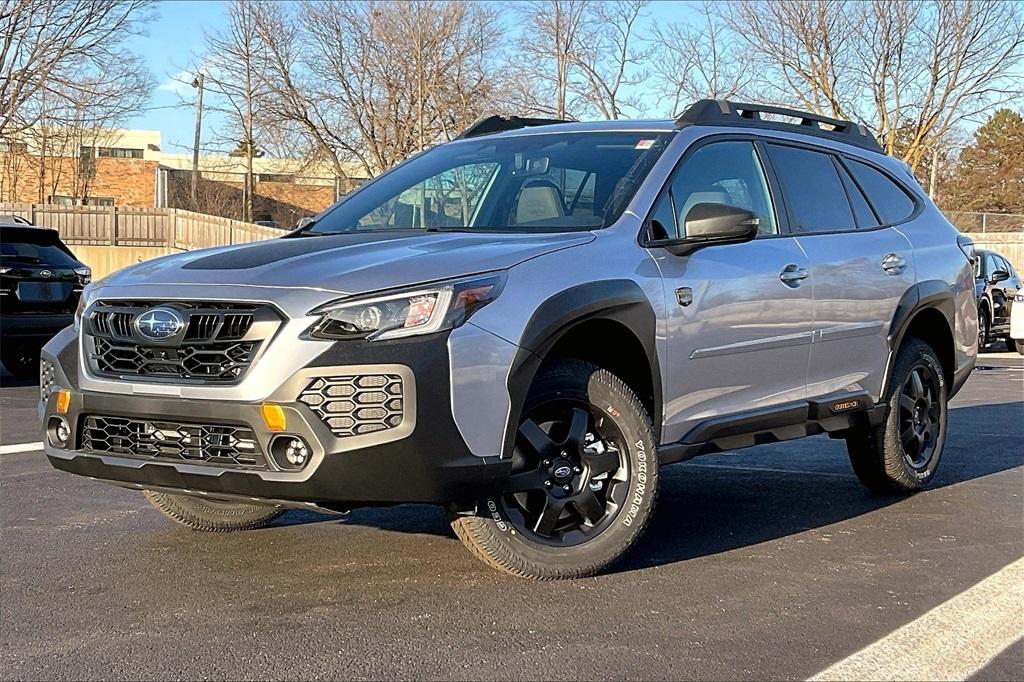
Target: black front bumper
[430,465]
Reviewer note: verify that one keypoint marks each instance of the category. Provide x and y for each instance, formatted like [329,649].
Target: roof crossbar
[488,125]
[720,112]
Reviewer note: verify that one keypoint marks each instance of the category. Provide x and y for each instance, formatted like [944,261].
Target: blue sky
[176,35]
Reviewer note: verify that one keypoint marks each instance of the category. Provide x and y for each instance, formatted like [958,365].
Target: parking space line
[953,641]
[19,448]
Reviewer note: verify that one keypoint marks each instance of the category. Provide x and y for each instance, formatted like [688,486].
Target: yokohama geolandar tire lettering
[496,533]
[215,516]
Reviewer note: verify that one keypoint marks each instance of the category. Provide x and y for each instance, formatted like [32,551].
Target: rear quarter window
[891,202]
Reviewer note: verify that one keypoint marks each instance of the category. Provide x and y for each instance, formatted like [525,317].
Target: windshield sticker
[644,144]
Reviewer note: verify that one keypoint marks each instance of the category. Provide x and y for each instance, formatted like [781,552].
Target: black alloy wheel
[920,415]
[570,474]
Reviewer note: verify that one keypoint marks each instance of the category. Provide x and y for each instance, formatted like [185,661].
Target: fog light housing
[58,432]
[290,452]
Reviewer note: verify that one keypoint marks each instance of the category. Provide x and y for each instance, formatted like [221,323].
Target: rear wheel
[983,327]
[20,358]
[216,516]
[584,479]
[903,453]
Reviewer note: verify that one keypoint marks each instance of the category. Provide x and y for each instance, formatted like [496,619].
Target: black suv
[41,283]
[995,283]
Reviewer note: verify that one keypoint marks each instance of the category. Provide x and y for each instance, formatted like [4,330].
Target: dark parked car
[41,283]
[996,283]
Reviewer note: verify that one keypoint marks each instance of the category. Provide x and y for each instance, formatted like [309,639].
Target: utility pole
[197,83]
[933,175]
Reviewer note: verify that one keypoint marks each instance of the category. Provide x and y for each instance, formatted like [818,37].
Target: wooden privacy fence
[171,228]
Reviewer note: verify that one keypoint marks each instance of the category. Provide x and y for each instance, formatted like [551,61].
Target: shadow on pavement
[705,510]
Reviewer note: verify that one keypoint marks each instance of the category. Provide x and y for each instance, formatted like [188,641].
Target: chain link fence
[984,223]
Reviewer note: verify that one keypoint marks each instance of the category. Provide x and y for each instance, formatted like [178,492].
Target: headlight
[80,310]
[422,310]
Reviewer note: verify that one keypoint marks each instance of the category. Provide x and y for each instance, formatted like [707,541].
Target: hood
[347,263]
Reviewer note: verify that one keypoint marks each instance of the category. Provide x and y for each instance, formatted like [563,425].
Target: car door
[860,268]
[740,321]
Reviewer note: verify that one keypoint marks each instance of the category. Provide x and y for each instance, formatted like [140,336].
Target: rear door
[740,314]
[860,265]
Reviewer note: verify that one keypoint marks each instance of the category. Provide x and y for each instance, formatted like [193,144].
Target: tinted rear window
[890,201]
[34,247]
[814,193]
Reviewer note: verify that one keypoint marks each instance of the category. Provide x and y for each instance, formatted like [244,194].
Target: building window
[64,200]
[119,153]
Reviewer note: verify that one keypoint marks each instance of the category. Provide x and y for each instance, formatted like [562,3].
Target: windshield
[541,182]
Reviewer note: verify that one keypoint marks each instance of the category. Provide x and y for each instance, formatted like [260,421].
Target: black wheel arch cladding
[620,300]
[926,295]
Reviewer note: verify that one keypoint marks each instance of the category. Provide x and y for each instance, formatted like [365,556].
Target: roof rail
[489,125]
[720,112]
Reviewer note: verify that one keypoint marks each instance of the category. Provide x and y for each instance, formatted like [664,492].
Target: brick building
[129,168]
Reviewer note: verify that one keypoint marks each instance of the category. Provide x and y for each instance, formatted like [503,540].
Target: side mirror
[710,224]
[999,276]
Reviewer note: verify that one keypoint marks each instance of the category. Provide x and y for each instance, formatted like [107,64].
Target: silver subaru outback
[524,325]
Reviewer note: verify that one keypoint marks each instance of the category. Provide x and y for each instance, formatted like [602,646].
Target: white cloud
[180,83]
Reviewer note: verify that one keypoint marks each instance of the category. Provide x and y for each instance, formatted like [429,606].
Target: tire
[594,424]
[1020,345]
[984,325]
[214,516]
[20,358]
[902,455]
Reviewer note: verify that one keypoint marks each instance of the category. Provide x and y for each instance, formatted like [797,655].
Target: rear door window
[814,193]
[891,203]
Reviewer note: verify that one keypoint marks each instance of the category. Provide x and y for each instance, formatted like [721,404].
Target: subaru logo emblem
[159,324]
[45,273]
[563,471]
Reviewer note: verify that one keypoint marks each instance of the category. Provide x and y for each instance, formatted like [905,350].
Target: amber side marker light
[273,417]
[63,401]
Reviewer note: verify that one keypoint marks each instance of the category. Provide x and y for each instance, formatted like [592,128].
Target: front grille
[356,405]
[214,444]
[218,343]
[217,361]
[47,379]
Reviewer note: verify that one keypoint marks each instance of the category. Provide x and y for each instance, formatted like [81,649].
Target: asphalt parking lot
[768,563]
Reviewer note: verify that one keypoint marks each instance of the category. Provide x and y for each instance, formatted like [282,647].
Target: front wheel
[903,453]
[215,516]
[584,479]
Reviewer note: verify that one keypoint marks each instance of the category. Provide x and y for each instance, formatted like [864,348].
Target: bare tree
[389,78]
[910,71]
[550,47]
[610,57]
[235,69]
[691,61]
[53,50]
